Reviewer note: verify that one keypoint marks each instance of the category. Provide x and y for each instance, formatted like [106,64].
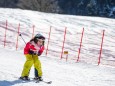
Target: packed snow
[86,72]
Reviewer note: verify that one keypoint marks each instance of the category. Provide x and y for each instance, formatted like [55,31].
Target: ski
[47,82]
[36,81]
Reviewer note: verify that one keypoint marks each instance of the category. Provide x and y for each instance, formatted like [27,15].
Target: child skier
[32,50]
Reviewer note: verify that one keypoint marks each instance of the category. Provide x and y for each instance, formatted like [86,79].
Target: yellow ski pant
[30,60]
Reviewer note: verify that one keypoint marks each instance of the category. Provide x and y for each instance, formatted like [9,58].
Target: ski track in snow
[60,72]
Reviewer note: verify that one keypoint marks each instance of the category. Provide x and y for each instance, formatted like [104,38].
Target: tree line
[104,8]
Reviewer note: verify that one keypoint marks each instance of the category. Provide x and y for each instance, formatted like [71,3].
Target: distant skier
[32,50]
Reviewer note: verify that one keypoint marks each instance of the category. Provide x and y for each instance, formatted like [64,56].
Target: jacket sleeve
[32,47]
[41,50]
[28,47]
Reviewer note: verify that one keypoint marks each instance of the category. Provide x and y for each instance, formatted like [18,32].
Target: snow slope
[84,73]
[61,73]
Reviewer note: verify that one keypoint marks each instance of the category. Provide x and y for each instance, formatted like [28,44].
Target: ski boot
[24,78]
[38,78]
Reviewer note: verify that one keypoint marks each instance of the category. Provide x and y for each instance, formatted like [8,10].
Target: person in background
[32,51]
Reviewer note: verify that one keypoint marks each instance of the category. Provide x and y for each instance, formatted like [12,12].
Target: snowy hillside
[61,73]
[84,73]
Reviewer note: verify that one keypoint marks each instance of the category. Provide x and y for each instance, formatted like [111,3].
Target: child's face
[40,42]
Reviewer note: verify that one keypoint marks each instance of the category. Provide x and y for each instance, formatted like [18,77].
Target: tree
[92,8]
[39,5]
[8,3]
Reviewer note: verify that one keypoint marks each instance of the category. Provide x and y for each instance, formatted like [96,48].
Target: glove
[32,52]
[39,53]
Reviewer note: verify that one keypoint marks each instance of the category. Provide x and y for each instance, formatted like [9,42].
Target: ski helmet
[37,37]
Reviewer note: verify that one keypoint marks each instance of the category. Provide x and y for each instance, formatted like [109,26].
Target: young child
[32,50]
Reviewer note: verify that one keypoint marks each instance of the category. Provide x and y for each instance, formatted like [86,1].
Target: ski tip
[49,82]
